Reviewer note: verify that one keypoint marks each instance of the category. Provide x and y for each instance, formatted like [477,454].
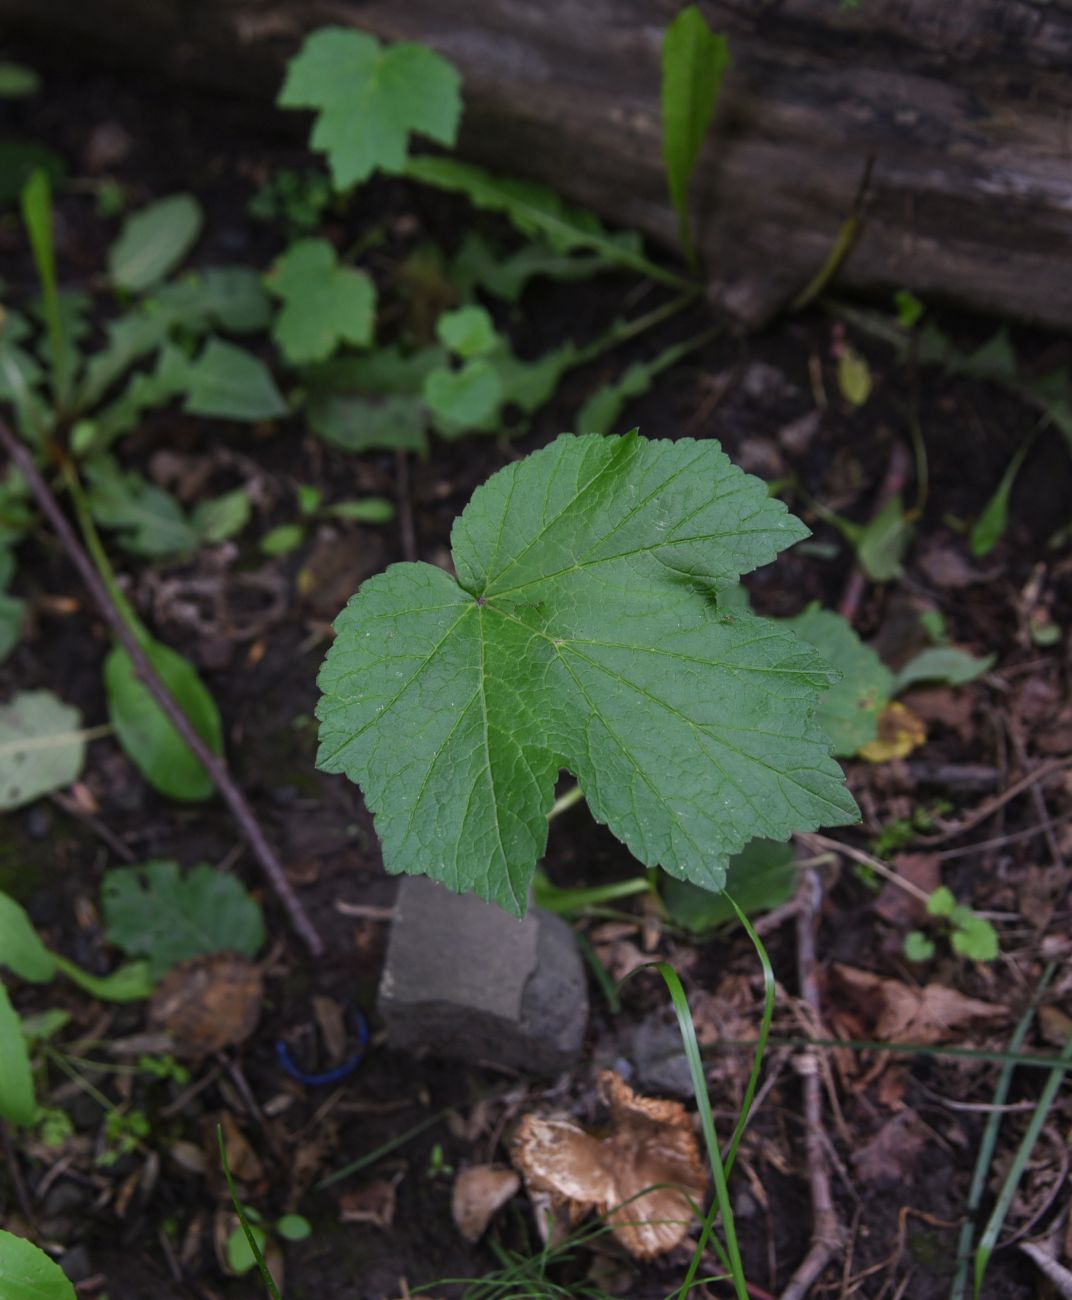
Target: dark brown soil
[744,391]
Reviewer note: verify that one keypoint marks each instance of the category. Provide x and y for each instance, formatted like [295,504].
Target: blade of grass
[707,1122]
[989,1141]
[363,1162]
[37,218]
[269,1281]
[1012,1179]
[769,989]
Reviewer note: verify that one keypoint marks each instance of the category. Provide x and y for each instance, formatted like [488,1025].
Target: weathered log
[959,111]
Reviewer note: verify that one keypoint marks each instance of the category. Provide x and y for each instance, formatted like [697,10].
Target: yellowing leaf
[899,733]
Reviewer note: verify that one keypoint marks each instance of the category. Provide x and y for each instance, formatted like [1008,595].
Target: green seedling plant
[26,957]
[238,1250]
[917,339]
[585,630]
[158,917]
[297,200]
[969,934]
[65,408]
[372,102]
[285,538]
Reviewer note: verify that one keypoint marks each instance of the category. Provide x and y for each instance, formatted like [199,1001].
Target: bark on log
[963,107]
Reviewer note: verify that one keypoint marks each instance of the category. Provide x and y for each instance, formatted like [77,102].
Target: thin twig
[146,673]
[991,806]
[827,1233]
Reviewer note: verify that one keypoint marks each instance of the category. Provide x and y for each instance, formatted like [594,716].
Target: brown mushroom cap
[652,1145]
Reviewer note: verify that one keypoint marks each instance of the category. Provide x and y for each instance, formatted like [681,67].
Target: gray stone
[464,980]
[658,1057]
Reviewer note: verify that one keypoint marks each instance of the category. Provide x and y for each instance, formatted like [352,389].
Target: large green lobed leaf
[583,632]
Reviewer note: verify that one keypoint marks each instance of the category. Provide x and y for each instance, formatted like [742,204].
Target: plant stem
[127,638]
[565,801]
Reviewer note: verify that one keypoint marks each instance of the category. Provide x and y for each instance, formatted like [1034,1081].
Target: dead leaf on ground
[208,1003]
[242,1160]
[894,1012]
[478,1194]
[896,905]
[371,1203]
[899,733]
[945,706]
[949,568]
[889,1157]
[651,1143]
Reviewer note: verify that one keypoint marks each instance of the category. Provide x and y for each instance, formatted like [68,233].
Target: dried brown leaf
[889,1158]
[208,1003]
[894,1012]
[373,1203]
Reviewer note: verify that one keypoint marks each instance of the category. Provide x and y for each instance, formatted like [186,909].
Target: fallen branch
[827,1234]
[212,763]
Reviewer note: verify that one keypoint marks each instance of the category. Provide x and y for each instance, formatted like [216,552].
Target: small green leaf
[941,664]
[167,380]
[282,540]
[130,983]
[232,384]
[324,304]
[148,520]
[147,736]
[231,298]
[477,265]
[44,1025]
[240,1257]
[294,1227]
[854,376]
[908,307]
[975,938]
[941,902]
[369,100]
[309,499]
[536,210]
[17,81]
[27,1273]
[468,332]
[695,60]
[528,384]
[367,423]
[153,241]
[918,946]
[155,912]
[849,711]
[601,411]
[222,517]
[372,510]
[882,543]
[759,878]
[990,527]
[465,400]
[580,633]
[362,402]
[42,747]
[17,1103]
[21,950]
